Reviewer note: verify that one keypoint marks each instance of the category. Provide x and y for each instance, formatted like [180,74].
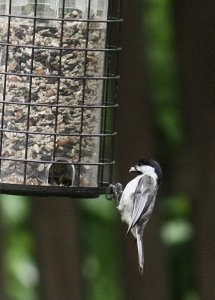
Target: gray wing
[142,198]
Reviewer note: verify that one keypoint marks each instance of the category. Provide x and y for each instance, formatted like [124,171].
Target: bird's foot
[116,192]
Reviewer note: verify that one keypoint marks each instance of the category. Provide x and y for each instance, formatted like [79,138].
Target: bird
[138,199]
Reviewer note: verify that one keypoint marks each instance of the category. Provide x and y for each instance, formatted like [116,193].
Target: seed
[45,106]
[63,142]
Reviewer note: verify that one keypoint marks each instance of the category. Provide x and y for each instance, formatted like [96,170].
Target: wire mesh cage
[59,78]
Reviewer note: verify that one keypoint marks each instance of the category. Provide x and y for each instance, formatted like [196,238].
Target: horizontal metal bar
[62,77]
[58,105]
[3,130]
[71,192]
[109,19]
[111,49]
[59,162]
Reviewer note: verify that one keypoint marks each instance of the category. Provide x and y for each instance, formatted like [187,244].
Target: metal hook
[73,174]
[47,172]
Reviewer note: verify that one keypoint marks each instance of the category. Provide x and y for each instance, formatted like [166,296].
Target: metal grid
[58,101]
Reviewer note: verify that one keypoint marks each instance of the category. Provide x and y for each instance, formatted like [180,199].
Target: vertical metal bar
[84,86]
[5,79]
[101,138]
[105,99]
[116,84]
[58,90]
[107,82]
[103,110]
[30,90]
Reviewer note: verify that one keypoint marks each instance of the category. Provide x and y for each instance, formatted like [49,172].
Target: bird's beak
[133,169]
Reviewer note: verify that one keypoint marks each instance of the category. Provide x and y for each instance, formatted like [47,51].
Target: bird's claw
[116,192]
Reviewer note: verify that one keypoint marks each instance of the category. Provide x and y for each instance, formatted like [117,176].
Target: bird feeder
[58,83]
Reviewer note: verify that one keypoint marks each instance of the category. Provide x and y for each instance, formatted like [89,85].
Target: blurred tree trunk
[2,283]
[195,23]
[136,140]
[56,227]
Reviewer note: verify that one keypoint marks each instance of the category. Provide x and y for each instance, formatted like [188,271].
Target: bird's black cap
[154,164]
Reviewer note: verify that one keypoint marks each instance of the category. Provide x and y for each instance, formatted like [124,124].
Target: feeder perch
[58,84]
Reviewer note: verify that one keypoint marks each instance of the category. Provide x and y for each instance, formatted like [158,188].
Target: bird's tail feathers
[129,228]
[140,249]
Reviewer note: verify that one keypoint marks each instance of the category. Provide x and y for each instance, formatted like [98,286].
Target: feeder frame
[107,107]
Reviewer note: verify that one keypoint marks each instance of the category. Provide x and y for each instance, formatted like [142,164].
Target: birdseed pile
[46,100]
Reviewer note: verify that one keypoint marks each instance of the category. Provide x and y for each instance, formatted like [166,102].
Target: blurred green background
[166,111]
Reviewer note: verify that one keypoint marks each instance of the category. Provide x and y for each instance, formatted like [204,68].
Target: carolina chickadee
[138,199]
